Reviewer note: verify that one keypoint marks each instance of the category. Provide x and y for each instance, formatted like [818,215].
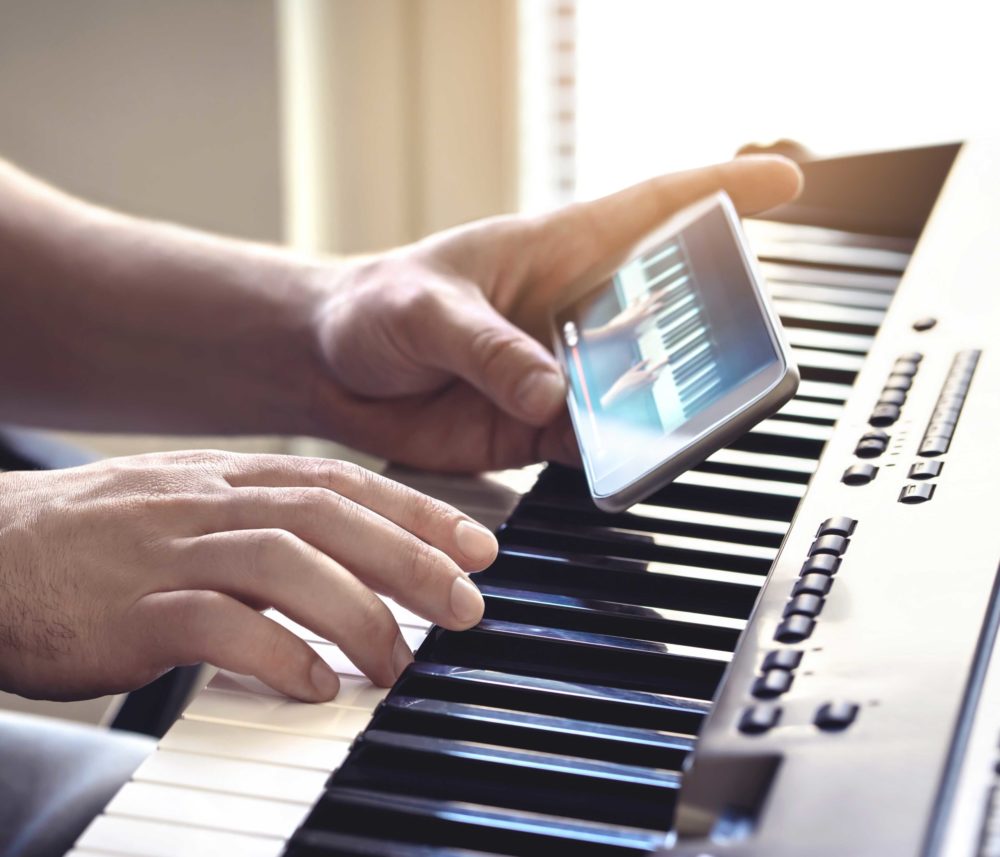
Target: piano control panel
[885,615]
[798,619]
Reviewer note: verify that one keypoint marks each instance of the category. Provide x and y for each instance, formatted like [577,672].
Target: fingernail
[324,680]
[541,392]
[466,602]
[402,657]
[476,542]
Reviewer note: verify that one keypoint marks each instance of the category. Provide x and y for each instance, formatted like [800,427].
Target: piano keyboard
[561,723]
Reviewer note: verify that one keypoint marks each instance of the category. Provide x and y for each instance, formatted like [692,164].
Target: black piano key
[828,317]
[327,843]
[691,364]
[515,779]
[701,395]
[615,541]
[556,610]
[828,340]
[769,437]
[807,234]
[844,296]
[564,736]
[678,355]
[784,272]
[750,472]
[616,706]
[665,267]
[734,502]
[746,498]
[828,374]
[693,590]
[822,256]
[460,824]
[644,517]
[580,656]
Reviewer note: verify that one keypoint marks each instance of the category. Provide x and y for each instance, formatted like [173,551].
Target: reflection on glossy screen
[671,333]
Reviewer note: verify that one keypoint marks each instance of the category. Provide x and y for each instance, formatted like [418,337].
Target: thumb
[512,369]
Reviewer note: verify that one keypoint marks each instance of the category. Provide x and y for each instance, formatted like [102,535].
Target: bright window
[663,85]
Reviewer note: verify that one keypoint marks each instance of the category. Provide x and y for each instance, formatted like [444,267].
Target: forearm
[111,322]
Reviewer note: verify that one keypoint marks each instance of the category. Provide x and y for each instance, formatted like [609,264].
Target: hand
[432,354]
[634,380]
[113,573]
[632,321]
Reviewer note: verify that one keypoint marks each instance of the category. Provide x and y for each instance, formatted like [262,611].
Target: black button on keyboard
[758,719]
[916,492]
[794,629]
[836,715]
[772,684]
[859,474]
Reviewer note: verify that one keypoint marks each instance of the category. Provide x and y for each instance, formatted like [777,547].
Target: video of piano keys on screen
[671,333]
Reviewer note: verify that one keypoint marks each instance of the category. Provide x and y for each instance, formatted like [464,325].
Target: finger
[468,543]
[579,237]
[558,443]
[409,432]
[278,568]
[385,557]
[755,183]
[509,367]
[190,627]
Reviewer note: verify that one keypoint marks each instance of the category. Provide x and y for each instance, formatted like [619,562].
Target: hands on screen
[635,379]
[633,321]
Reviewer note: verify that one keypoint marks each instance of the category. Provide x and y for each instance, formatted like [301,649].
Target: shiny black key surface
[461,824]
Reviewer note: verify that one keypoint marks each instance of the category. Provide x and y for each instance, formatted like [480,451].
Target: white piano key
[142,838]
[812,410]
[825,390]
[669,250]
[342,665]
[805,337]
[708,519]
[297,718]
[234,776]
[667,540]
[404,618]
[827,254]
[785,428]
[355,691]
[817,359]
[257,745]
[213,810]
[726,482]
[743,458]
[863,298]
[783,272]
[77,852]
[407,618]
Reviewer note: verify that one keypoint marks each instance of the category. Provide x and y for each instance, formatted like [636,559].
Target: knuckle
[312,499]
[203,457]
[374,623]
[425,303]
[421,563]
[331,472]
[494,349]
[265,547]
